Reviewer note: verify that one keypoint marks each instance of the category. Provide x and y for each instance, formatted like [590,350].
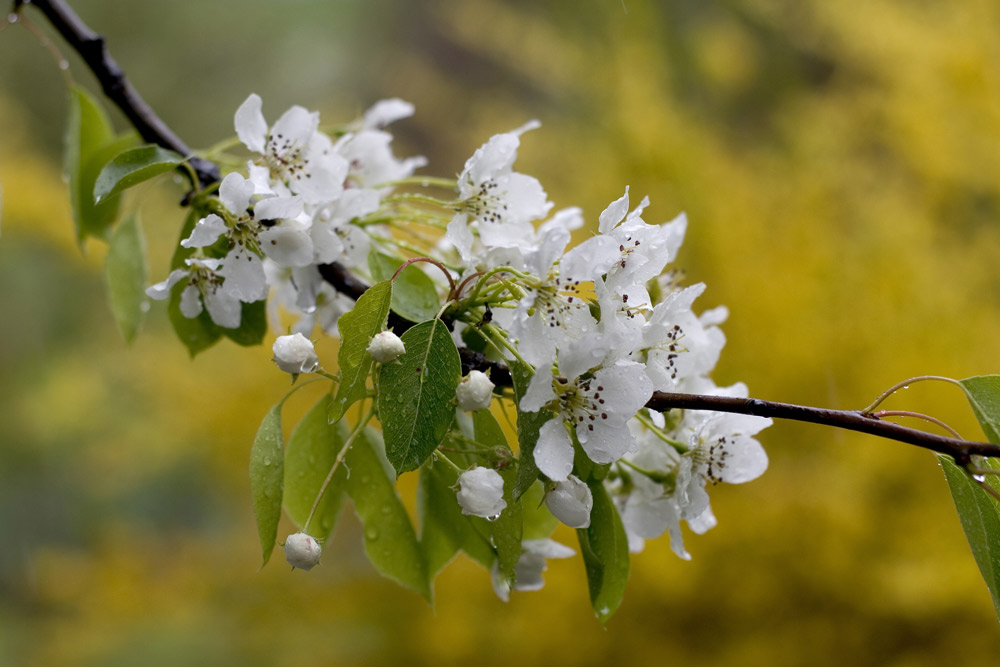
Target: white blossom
[295,354]
[475,391]
[530,566]
[302,551]
[385,346]
[481,492]
[570,501]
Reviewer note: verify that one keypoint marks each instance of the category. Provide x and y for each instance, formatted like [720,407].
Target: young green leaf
[357,328]
[414,296]
[133,166]
[266,479]
[90,143]
[528,425]
[309,456]
[390,541]
[538,520]
[605,554]
[416,401]
[127,275]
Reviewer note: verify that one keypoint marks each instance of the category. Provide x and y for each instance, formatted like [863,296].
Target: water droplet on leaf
[979,478]
[371,533]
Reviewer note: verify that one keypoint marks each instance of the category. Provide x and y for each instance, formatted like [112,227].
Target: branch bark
[116,86]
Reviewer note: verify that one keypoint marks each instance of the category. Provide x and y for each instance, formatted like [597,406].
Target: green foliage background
[839,165]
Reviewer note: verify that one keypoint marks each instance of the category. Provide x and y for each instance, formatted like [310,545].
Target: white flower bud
[302,551]
[295,354]
[481,492]
[571,502]
[475,391]
[385,347]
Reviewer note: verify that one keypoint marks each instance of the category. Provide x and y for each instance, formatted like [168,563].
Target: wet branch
[92,49]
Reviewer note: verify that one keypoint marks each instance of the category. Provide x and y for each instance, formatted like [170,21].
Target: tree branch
[116,86]
[852,420]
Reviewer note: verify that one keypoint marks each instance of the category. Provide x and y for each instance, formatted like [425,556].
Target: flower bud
[571,502]
[385,346]
[302,551]
[481,492]
[475,391]
[295,354]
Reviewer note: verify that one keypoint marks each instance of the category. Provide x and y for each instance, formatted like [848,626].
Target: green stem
[903,385]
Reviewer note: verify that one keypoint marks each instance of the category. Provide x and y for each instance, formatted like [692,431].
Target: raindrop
[386,510]
[366,479]
[371,533]
[312,459]
[979,478]
[267,460]
[64,65]
[13,17]
[302,473]
[906,386]
[309,310]
[493,517]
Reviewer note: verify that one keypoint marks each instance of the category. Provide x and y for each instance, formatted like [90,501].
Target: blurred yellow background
[839,165]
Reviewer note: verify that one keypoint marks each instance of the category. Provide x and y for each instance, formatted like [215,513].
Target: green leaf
[133,166]
[416,398]
[266,479]
[390,541]
[357,328]
[127,275]
[979,513]
[253,325]
[414,295]
[983,392]
[90,143]
[605,554]
[443,528]
[196,333]
[528,425]
[309,456]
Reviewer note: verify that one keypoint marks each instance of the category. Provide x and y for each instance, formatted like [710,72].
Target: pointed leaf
[390,541]
[605,554]
[983,392]
[357,328]
[539,522]
[414,295]
[127,275]
[528,426]
[416,401]
[133,166]
[309,457]
[266,479]
[90,143]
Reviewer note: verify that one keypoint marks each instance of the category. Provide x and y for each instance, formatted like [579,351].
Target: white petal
[244,274]
[570,502]
[206,232]
[384,112]
[191,302]
[554,451]
[294,129]
[235,192]
[251,127]
[224,310]
[613,214]
[161,290]
[287,245]
[277,208]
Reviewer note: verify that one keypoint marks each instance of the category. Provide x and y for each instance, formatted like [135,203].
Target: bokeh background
[838,162]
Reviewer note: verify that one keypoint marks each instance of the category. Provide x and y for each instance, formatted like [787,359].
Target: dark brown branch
[852,420]
[116,86]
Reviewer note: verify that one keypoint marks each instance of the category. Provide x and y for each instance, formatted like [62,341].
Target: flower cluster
[598,327]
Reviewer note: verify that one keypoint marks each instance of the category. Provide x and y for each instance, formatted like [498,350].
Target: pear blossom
[480,492]
[302,551]
[295,354]
[530,566]
[475,391]
[298,158]
[570,501]
[203,287]
[385,346]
